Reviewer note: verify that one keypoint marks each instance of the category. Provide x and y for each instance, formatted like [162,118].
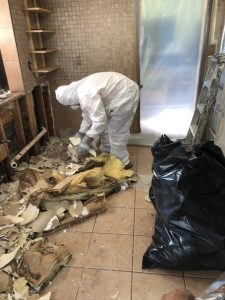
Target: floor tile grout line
[85,259]
[131,287]
[134,271]
[79,284]
[144,272]
[103,269]
[135,199]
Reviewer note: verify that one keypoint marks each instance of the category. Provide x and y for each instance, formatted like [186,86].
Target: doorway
[172,36]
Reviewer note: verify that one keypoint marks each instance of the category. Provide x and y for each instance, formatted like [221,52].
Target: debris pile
[49,194]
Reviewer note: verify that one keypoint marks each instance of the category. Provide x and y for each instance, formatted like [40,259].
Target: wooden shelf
[43,51]
[38,10]
[45,70]
[40,31]
[39,51]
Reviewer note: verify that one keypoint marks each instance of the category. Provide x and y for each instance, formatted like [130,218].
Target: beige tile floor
[107,251]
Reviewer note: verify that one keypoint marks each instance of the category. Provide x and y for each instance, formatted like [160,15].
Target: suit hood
[67,94]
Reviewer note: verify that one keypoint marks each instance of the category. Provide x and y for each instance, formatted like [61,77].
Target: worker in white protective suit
[108,101]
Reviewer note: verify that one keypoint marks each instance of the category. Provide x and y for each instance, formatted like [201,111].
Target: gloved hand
[79,135]
[84,147]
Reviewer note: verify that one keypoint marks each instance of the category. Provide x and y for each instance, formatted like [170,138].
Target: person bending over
[108,101]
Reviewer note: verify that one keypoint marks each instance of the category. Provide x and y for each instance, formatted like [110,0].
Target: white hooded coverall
[108,101]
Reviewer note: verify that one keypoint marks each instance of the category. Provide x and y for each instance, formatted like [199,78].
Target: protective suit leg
[119,131]
[104,141]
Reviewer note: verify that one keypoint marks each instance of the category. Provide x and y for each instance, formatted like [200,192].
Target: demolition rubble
[49,194]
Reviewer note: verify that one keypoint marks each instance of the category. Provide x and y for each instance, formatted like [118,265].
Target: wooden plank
[32,119]
[3,151]
[6,115]
[39,36]
[63,185]
[40,31]
[48,109]
[19,127]
[43,51]
[10,98]
[30,37]
[39,100]
[8,170]
[38,10]
[45,70]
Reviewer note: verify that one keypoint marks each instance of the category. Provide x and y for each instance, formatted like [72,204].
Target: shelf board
[43,51]
[40,30]
[45,70]
[38,10]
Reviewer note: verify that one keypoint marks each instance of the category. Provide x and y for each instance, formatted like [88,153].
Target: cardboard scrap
[42,262]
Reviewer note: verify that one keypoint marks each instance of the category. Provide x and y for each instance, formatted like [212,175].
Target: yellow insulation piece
[58,177]
[93,175]
[114,168]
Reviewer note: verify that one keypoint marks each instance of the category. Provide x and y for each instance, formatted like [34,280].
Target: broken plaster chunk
[115,296]
[75,209]
[56,206]
[7,220]
[11,208]
[75,140]
[5,259]
[43,221]
[69,169]
[30,214]
[20,288]
[52,224]
[4,282]
[46,297]
[85,212]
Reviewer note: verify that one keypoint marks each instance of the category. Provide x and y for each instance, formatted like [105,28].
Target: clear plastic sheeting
[216,291]
[170,48]
[220,135]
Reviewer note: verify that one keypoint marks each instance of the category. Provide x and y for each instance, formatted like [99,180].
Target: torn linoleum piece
[42,262]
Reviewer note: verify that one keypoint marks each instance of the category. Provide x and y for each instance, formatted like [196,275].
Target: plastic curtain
[170,50]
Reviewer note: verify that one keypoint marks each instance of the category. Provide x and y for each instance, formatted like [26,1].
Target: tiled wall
[92,36]
[9,49]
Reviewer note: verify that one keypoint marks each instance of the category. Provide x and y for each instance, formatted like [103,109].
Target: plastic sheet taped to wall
[188,193]
[171,40]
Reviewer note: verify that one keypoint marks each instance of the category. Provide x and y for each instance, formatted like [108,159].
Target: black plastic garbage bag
[188,193]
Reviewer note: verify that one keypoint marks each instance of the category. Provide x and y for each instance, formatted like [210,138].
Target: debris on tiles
[49,194]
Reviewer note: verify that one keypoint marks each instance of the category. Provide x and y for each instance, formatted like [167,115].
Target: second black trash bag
[188,193]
